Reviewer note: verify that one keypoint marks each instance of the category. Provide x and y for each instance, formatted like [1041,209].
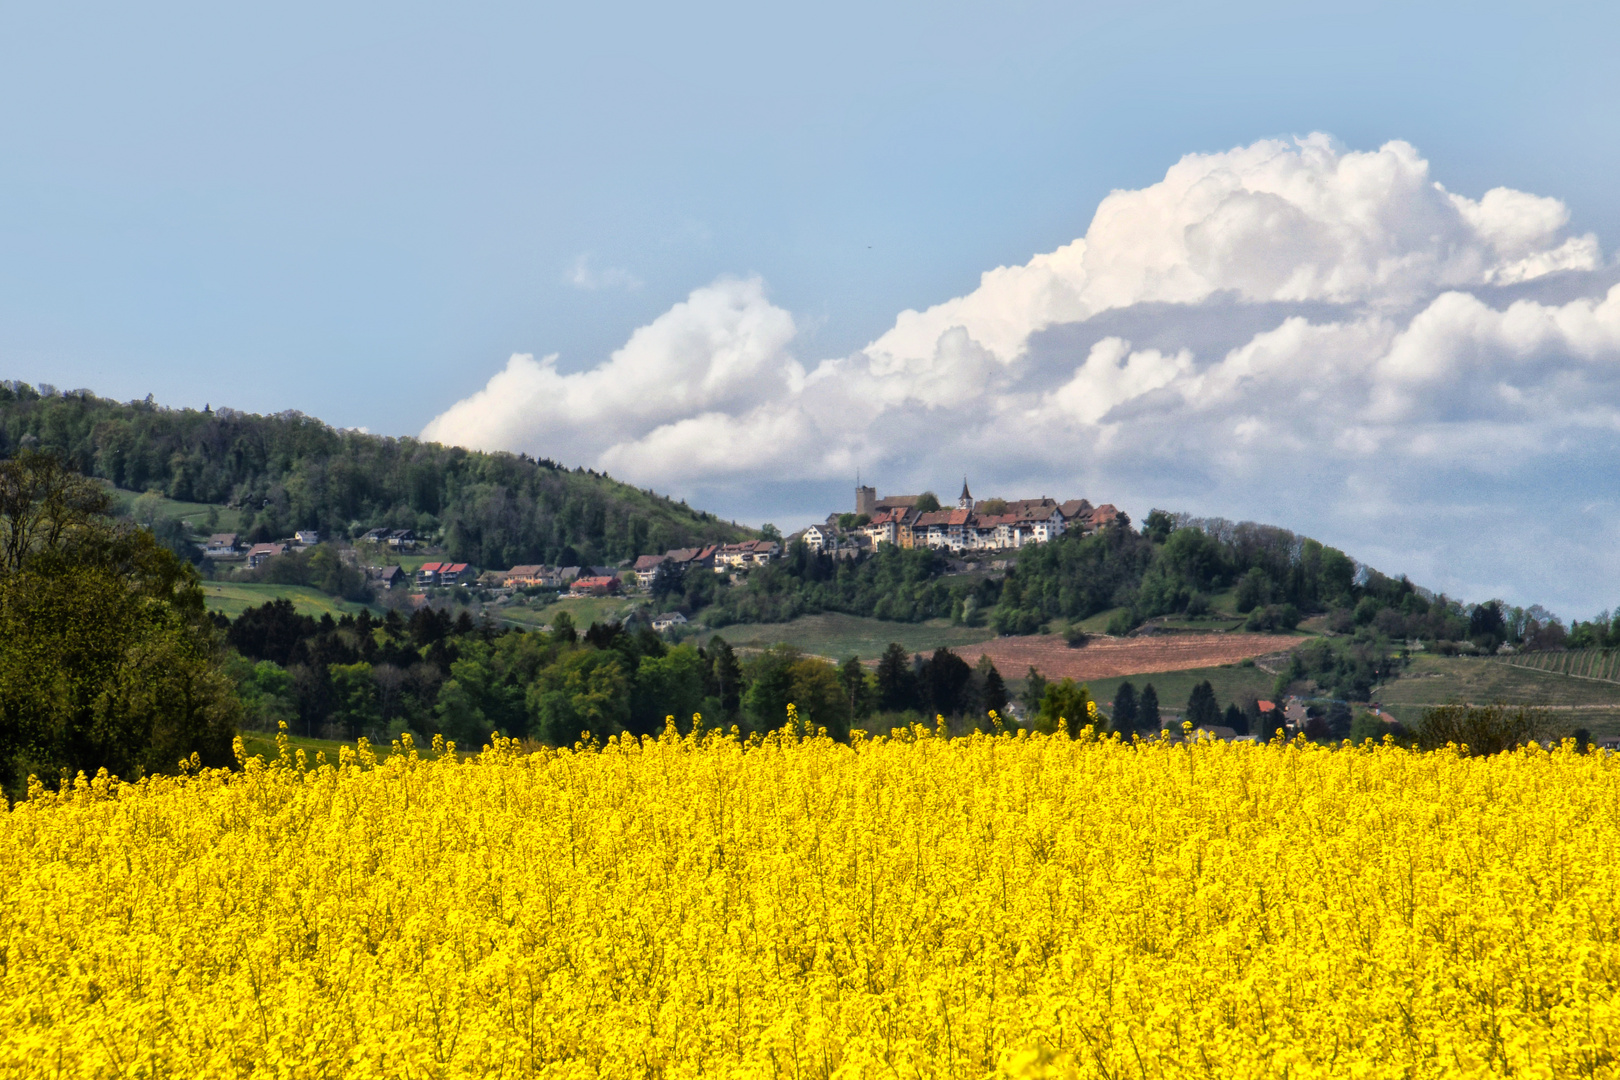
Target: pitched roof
[432,567]
[526,570]
[649,562]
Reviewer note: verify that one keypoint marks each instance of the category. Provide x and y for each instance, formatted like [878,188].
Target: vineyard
[904,906]
[1602,664]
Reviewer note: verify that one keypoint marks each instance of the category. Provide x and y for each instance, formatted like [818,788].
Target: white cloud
[583,276]
[1386,382]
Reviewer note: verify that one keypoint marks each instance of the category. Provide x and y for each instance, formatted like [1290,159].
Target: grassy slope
[195,515]
[1174,687]
[233,598]
[1434,680]
[839,636]
[583,611]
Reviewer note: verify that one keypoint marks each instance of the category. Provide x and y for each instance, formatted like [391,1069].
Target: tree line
[289,471]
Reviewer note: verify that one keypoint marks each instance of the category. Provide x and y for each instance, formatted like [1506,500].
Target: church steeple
[965,502]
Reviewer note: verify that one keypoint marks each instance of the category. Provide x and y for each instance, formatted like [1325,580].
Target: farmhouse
[259,554]
[668,621]
[223,546]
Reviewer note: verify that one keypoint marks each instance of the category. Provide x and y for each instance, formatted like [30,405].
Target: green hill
[289,471]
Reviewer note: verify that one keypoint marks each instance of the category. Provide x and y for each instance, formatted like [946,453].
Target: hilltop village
[909,521]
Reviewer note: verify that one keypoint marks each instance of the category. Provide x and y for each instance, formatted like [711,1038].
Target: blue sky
[364,213]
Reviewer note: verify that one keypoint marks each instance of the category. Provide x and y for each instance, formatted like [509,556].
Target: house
[307,537]
[529,576]
[375,536]
[668,621]
[1103,516]
[884,528]
[646,568]
[222,546]
[259,554]
[390,576]
[427,575]
[402,539]
[745,554]
[815,537]
[691,558]
[1076,512]
[594,586]
[456,574]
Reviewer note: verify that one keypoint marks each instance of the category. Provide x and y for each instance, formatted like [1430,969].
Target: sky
[1344,269]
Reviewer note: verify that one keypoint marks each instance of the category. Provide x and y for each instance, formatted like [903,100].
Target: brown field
[1102,658]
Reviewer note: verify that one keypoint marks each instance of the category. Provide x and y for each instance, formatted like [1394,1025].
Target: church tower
[966,501]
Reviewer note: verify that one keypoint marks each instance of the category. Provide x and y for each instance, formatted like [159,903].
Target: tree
[1158,526]
[1147,710]
[1202,708]
[768,531]
[1235,720]
[945,678]
[852,676]
[1484,729]
[728,679]
[668,685]
[1065,706]
[896,685]
[819,696]
[1338,721]
[107,655]
[1125,711]
[562,627]
[1034,693]
[770,686]
[926,503]
[993,688]
[670,577]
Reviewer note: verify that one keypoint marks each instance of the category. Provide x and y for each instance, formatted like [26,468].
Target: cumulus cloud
[1291,331]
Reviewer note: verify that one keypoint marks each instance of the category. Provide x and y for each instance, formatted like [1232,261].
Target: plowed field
[1105,657]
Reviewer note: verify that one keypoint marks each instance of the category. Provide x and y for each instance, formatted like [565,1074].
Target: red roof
[447,568]
[432,567]
[1266,706]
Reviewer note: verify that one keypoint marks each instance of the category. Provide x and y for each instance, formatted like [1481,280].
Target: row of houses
[965,527]
[721,558]
[228,547]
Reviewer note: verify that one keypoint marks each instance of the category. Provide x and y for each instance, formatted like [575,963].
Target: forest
[289,471]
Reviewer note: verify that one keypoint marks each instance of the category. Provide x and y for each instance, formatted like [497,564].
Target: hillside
[290,471]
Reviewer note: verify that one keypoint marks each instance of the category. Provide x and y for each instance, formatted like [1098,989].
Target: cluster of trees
[901,585]
[1170,566]
[464,678]
[107,656]
[289,471]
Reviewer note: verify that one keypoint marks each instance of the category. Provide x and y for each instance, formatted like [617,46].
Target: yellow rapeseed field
[911,905]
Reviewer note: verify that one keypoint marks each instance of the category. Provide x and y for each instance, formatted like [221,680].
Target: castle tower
[865,500]
[965,502]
